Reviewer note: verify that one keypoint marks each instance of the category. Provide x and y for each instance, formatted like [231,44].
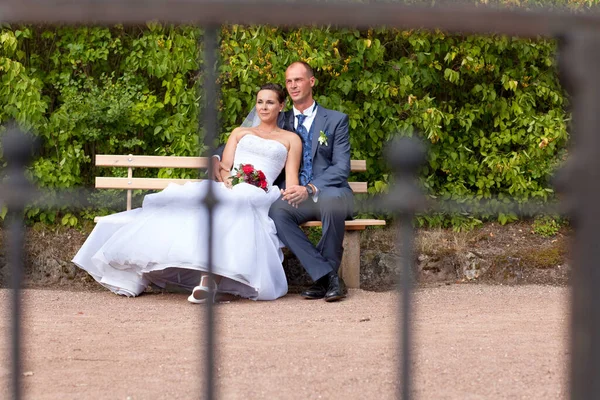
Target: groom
[323,193]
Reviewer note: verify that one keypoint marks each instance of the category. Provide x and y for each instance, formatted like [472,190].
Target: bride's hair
[275,88]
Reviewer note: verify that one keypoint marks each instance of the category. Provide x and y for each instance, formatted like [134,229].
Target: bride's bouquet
[247,173]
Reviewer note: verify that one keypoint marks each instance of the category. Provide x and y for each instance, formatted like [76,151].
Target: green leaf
[65,220]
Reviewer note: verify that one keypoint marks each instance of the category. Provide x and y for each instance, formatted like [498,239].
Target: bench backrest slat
[358,165]
[104,160]
[150,161]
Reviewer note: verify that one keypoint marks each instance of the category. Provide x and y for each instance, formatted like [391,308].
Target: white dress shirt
[310,113]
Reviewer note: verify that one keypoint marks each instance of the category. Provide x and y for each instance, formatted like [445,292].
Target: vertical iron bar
[406,155]
[15,241]
[579,66]
[18,149]
[210,130]
[406,256]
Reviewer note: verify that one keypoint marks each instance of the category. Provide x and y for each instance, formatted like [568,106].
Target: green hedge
[490,108]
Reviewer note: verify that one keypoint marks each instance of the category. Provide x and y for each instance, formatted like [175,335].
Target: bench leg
[350,266]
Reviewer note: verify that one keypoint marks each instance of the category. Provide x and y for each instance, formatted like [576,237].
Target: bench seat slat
[161,183]
[355,223]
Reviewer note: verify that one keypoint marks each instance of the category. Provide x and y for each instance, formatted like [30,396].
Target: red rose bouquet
[247,173]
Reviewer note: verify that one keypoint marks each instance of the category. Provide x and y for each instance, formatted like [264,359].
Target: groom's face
[299,83]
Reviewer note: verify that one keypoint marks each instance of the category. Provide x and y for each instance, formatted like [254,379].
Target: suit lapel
[317,126]
[289,121]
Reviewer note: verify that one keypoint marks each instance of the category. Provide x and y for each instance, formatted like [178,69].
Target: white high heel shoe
[201,293]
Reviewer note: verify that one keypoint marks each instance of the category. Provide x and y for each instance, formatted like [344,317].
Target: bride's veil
[251,119]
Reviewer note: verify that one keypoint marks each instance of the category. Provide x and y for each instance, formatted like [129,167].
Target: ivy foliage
[93,90]
[490,108]
[97,90]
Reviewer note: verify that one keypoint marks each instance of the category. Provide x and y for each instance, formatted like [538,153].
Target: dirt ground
[470,342]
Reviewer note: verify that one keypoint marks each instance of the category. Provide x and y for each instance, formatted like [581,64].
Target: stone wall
[509,254]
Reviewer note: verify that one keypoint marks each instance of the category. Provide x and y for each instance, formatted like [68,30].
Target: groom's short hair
[309,69]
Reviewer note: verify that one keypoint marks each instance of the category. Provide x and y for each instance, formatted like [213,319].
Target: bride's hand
[225,176]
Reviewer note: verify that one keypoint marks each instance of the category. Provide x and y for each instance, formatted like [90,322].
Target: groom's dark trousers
[333,207]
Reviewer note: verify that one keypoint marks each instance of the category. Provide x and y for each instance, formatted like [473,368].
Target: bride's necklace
[266,133]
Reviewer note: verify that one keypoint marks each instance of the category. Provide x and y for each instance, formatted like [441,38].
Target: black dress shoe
[336,289]
[316,291]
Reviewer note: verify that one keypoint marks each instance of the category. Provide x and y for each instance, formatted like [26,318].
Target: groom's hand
[216,169]
[295,195]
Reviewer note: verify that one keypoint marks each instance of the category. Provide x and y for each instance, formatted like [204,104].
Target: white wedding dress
[166,240]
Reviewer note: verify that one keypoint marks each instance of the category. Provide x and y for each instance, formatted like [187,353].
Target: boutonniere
[323,138]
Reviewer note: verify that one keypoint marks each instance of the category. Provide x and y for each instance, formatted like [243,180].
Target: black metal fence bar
[406,155]
[18,150]
[406,241]
[210,93]
[79,198]
[458,18]
[15,251]
[378,205]
[580,58]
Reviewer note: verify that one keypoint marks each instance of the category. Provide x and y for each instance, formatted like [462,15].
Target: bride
[166,240]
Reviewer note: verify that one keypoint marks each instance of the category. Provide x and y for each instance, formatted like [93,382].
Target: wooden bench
[350,267]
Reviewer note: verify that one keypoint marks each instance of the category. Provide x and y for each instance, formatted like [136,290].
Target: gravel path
[471,342]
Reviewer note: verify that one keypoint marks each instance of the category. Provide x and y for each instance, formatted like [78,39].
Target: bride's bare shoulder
[291,136]
[241,131]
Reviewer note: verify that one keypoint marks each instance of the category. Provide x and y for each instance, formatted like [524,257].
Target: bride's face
[268,105]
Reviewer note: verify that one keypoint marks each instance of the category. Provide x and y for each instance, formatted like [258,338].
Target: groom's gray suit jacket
[330,160]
